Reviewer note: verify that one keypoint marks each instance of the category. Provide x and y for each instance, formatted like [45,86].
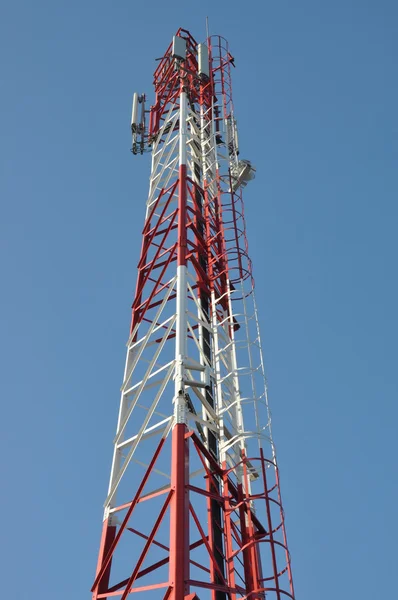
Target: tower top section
[203,71]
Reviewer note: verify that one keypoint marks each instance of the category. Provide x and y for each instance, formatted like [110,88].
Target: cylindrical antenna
[134,113]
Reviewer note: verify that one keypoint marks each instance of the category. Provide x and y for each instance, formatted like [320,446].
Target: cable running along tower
[193,508]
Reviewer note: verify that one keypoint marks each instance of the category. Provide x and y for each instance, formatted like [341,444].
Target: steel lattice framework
[193,506]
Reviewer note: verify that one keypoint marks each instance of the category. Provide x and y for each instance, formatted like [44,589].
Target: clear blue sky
[316,97]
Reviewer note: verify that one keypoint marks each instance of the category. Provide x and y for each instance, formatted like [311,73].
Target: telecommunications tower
[193,509]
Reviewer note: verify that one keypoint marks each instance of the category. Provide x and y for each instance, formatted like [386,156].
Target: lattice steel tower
[194,506]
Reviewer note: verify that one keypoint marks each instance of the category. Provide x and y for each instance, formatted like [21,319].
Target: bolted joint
[180,408]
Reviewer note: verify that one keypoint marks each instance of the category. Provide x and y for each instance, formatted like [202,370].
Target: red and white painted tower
[194,506]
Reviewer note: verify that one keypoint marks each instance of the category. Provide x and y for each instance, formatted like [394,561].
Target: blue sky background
[316,96]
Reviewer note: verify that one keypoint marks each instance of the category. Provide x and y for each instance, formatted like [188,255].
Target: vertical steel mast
[193,507]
